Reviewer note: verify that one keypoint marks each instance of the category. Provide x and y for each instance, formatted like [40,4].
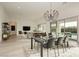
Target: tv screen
[12,28]
[26,28]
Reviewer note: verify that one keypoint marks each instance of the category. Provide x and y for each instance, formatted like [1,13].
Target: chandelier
[51,15]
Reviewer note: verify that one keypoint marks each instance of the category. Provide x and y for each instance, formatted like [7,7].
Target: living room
[22,21]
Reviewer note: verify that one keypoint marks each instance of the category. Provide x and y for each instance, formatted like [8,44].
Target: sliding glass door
[71,27]
[68,27]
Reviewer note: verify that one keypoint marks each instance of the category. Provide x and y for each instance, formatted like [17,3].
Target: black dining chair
[66,42]
[59,43]
[63,42]
[50,44]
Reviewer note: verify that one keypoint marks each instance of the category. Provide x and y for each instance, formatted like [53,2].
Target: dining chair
[59,43]
[63,42]
[66,42]
[50,44]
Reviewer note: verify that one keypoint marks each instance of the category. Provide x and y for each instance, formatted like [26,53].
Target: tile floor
[15,47]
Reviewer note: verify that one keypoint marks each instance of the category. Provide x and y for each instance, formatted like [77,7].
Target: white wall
[2,17]
[24,22]
[21,21]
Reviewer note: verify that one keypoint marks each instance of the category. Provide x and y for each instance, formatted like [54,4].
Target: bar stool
[20,34]
[25,34]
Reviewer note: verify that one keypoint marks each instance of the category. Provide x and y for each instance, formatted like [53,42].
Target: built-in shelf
[5,31]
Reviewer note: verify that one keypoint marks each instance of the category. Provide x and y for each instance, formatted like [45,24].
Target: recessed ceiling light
[18,7]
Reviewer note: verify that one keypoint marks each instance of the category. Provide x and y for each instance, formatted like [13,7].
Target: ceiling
[29,9]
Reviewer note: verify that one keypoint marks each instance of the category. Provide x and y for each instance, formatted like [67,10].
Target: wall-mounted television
[12,28]
[26,28]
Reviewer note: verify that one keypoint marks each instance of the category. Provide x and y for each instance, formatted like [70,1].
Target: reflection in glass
[66,27]
[53,29]
[71,27]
